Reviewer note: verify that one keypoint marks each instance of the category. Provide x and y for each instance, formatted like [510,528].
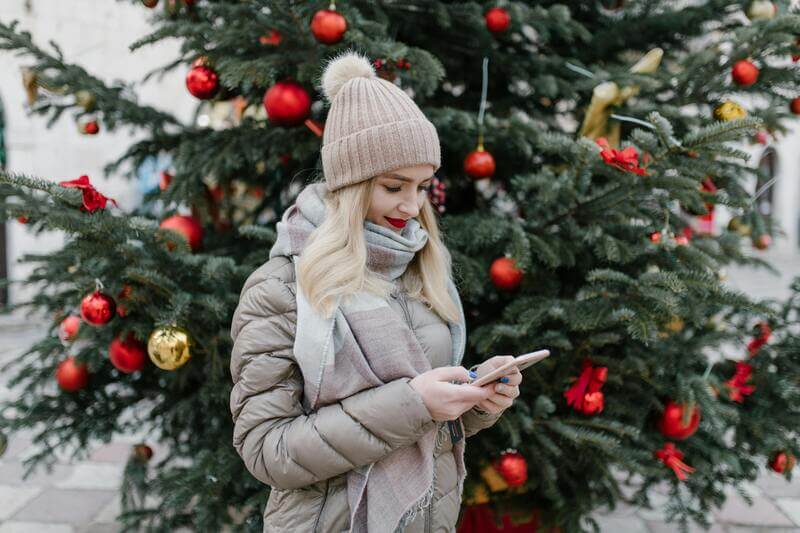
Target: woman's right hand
[445,400]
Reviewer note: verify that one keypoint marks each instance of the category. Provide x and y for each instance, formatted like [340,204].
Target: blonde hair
[334,259]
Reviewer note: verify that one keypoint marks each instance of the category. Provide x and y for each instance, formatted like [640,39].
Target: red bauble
[795,106]
[202,82]
[68,329]
[122,309]
[655,237]
[143,452]
[150,3]
[328,26]
[187,226]
[671,423]
[744,73]
[273,38]
[497,19]
[91,127]
[22,220]
[479,164]
[763,241]
[97,308]
[166,179]
[681,240]
[72,376]
[504,274]
[513,467]
[287,103]
[782,461]
[128,355]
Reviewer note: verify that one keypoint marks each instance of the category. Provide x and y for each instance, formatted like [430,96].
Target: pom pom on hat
[342,69]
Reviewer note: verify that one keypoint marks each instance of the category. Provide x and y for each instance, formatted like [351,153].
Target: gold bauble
[85,99]
[729,110]
[168,347]
[761,10]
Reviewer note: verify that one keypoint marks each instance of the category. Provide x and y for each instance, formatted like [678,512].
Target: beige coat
[304,456]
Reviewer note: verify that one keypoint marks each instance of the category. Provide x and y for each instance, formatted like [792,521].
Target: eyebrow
[405,178]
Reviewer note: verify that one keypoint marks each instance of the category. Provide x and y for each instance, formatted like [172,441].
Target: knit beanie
[373,126]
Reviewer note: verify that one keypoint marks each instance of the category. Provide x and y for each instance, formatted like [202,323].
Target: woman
[348,397]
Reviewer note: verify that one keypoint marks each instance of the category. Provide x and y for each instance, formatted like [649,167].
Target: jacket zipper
[322,505]
[403,305]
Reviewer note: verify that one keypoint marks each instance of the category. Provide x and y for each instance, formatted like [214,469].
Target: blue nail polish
[503,380]
[473,374]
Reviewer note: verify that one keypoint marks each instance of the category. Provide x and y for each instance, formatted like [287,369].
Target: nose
[409,208]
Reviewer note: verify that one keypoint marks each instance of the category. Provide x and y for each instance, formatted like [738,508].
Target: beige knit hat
[373,126]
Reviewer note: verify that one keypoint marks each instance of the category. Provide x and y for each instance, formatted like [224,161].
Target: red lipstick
[396,222]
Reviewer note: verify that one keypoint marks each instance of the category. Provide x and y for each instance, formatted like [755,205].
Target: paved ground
[77,498]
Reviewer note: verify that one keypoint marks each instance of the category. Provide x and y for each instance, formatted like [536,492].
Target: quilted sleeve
[477,419]
[280,444]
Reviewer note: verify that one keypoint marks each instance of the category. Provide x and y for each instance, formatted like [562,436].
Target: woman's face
[398,196]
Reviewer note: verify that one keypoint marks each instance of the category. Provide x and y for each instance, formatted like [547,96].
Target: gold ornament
[675,325]
[740,227]
[729,110]
[608,95]
[493,479]
[168,347]
[85,99]
[31,84]
[761,10]
[480,495]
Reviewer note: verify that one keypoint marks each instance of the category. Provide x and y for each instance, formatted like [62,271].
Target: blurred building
[94,34]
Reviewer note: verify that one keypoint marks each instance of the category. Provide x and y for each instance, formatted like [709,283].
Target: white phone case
[522,362]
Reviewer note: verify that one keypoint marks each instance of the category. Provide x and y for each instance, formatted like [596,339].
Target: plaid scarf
[366,344]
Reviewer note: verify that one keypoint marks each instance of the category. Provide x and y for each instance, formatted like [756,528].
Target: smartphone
[522,362]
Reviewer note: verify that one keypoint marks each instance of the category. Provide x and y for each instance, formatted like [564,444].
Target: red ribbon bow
[626,160]
[673,458]
[755,345]
[585,395]
[92,198]
[737,385]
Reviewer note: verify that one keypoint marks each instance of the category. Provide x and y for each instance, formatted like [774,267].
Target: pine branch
[117,102]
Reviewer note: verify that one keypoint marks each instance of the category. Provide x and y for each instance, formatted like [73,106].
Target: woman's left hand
[503,394]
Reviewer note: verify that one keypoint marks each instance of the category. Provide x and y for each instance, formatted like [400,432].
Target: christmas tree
[585,146]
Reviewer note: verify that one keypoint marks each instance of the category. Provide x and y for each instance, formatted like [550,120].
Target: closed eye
[397,189]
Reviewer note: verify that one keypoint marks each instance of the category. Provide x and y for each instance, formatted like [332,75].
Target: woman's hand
[445,400]
[501,394]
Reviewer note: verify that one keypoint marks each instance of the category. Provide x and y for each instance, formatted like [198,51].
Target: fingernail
[504,380]
[473,374]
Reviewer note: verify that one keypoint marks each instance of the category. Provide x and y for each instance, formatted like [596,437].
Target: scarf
[366,344]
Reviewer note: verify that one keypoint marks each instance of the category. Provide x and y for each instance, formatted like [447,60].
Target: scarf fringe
[420,505]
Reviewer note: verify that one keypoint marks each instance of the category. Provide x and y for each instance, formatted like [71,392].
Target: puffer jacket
[305,456]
